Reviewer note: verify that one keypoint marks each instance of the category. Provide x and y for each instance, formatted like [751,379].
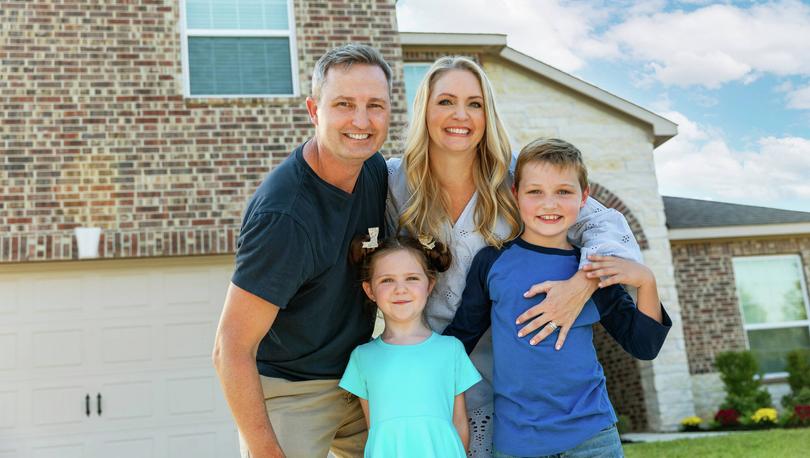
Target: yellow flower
[691,421]
[765,415]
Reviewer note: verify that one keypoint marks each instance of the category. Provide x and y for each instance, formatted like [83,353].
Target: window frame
[185,33]
[783,324]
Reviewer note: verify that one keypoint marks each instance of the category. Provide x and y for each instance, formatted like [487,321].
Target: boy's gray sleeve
[603,231]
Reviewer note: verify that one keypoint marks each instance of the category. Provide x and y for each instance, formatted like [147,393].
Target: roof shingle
[683,213]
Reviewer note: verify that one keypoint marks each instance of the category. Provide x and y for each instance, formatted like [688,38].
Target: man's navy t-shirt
[292,251]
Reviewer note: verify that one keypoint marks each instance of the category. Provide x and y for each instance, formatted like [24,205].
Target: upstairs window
[238,48]
[773,298]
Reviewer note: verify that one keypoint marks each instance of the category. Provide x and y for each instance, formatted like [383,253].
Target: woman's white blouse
[597,230]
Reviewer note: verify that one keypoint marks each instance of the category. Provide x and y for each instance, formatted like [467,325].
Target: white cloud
[799,99]
[699,163]
[562,36]
[717,44]
[706,45]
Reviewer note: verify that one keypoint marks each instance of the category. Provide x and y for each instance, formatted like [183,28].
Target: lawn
[770,443]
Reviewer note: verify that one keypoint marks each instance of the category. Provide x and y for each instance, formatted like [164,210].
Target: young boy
[551,401]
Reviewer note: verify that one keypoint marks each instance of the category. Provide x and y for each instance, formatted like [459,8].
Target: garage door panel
[191,395]
[9,415]
[9,295]
[193,445]
[48,295]
[70,450]
[8,352]
[58,348]
[122,290]
[126,344]
[189,340]
[128,400]
[57,405]
[186,288]
[143,447]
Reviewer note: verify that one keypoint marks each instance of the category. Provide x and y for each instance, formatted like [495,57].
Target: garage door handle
[87,405]
[98,403]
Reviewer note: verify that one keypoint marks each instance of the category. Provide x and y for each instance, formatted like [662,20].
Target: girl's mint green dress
[410,391]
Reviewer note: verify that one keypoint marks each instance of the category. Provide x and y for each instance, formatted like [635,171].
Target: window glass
[413,76]
[771,346]
[237,14]
[239,65]
[773,299]
[770,289]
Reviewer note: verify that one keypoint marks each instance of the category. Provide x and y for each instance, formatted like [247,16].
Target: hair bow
[373,234]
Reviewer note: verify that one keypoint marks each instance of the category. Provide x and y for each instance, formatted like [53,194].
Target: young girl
[410,380]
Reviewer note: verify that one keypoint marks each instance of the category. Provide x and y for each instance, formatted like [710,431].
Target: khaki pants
[311,418]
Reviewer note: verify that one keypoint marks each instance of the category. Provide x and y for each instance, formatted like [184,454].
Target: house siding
[95,131]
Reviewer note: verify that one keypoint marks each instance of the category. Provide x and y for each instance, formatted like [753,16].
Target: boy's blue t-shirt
[546,400]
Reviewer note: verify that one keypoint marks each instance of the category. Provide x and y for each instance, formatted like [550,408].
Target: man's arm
[245,320]
[364,406]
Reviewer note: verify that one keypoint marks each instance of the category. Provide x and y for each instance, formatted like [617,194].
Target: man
[294,311]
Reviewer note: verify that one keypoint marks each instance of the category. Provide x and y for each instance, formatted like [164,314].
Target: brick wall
[623,379]
[712,320]
[94,130]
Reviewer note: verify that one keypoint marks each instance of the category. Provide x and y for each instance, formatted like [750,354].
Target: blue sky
[735,77]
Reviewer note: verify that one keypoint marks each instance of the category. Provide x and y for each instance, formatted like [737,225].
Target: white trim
[772,376]
[663,129]
[451,39]
[754,230]
[186,77]
[778,325]
[782,324]
[238,33]
[185,32]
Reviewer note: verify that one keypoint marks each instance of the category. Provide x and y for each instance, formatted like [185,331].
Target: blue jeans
[606,444]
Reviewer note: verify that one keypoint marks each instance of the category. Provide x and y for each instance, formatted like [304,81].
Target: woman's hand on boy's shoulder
[613,271]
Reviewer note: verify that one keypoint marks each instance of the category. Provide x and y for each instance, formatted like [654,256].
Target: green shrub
[798,368]
[624,425]
[744,393]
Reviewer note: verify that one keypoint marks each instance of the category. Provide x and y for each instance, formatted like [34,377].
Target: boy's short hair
[552,151]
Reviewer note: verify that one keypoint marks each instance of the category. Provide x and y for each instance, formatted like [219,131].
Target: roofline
[725,232]
[451,39]
[663,129]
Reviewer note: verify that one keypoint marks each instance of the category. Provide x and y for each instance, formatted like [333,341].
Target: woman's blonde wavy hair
[426,209]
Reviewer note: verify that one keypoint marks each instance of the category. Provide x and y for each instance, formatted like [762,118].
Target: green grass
[770,443]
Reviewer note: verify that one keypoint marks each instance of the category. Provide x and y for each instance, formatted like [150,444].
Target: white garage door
[112,359]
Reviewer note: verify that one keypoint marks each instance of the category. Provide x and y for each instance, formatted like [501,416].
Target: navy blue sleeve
[472,319]
[638,334]
[273,258]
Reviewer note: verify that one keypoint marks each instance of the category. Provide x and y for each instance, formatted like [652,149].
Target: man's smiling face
[352,113]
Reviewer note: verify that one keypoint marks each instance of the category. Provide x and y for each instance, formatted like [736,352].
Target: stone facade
[711,313]
[95,131]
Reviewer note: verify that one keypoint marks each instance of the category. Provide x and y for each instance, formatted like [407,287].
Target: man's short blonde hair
[552,151]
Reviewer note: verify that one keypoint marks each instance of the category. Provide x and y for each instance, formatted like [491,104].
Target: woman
[454,181]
